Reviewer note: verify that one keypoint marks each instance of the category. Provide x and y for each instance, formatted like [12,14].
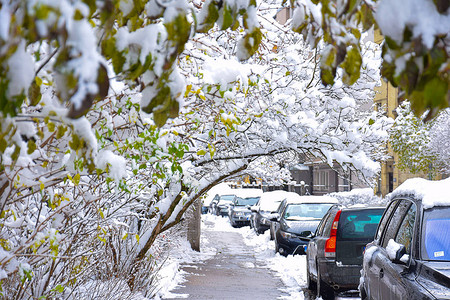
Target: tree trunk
[194,224]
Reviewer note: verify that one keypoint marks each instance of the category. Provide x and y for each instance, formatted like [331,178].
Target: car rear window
[436,234]
[359,224]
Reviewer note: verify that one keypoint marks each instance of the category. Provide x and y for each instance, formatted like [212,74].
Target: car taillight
[330,244]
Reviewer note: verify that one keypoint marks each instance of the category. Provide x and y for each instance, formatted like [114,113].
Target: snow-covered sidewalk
[291,270]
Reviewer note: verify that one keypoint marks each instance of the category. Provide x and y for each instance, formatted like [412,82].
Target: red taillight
[330,244]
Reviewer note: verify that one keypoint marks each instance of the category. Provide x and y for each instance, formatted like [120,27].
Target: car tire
[310,283]
[323,289]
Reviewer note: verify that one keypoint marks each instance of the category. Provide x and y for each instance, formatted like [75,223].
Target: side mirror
[397,252]
[275,217]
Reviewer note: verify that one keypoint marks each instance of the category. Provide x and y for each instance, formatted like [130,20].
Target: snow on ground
[170,275]
[291,270]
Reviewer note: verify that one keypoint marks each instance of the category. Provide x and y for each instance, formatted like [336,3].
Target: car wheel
[323,289]
[309,281]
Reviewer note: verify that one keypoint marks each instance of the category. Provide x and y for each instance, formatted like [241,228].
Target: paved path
[233,273]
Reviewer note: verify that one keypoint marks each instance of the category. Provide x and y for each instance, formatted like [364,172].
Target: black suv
[334,255]
[410,256]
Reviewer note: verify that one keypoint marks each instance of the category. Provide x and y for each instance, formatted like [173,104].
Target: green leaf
[31,145]
[435,93]
[227,19]
[34,92]
[251,42]
[210,17]
[76,179]
[59,288]
[352,66]
[201,152]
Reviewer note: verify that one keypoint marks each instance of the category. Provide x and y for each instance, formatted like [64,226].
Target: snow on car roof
[244,193]
[270,200]
[432,193]
[220,189]
[312,199]
[274,195]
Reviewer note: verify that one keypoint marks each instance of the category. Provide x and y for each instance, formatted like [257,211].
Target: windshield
[436,234]
[306,211]
[246,201]
[226,199]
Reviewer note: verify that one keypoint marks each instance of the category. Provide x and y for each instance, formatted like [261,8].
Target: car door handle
[381,273]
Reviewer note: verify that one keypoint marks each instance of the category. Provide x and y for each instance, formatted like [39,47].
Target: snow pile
[290,269]
[170,276]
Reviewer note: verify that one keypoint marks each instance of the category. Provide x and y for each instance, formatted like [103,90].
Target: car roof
[311,199]
[245,193]
[430,193]
[356,208]
[278,195]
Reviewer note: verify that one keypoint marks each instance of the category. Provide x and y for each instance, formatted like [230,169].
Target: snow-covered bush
[363,196]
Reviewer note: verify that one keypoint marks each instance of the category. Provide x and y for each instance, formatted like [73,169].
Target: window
[321,226]
[436,234]
[321,180]
[396,220]
[246,201]
[405,232]
[306,211]
[358,224]
[385,219]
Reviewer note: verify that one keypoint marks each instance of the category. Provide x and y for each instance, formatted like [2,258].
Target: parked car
[297,221]
[410,256]
[262,211]
[239,211]
[212,196]
[335,253]
[219,206]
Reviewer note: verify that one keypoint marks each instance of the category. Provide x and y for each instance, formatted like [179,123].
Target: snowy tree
[410,138]
[117,116]
[421,146]
[440,141]
[415,52]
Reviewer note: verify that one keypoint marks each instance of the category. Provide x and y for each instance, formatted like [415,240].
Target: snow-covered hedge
[363,196]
